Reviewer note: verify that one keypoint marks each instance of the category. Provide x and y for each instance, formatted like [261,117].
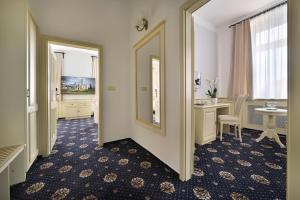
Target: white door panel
[32,106]
[53,103]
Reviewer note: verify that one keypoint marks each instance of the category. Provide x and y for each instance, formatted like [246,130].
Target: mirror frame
[158,30]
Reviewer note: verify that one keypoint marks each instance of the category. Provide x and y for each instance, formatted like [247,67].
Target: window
[269,54]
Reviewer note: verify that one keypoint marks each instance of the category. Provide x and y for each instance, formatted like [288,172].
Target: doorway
[188,89]
[73,85]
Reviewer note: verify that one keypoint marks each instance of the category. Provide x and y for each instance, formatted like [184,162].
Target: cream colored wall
[13,64]
[293,166]
[166,148]
[12,72]
[101,22]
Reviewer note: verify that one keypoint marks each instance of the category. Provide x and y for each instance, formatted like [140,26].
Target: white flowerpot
[214,101]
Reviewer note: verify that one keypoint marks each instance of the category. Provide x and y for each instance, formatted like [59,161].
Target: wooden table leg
[270,131]
[277,139]
[263,135]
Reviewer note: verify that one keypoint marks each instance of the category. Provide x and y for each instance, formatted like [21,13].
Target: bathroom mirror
[149,79]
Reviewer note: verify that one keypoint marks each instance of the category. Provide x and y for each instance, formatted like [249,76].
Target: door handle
[28,93]
[56,90]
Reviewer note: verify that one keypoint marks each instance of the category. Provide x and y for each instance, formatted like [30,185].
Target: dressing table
[206,121]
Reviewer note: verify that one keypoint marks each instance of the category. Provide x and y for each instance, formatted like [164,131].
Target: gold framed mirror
[150,81]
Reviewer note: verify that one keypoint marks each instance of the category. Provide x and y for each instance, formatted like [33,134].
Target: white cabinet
[206,121]
[205,125]
[76,109]
[209,125]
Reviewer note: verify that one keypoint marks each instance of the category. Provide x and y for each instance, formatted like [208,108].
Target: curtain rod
[260,13]
[63,53]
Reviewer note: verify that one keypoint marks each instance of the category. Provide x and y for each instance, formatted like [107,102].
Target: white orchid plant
[212,92]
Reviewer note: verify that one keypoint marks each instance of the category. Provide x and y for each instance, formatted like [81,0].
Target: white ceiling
[225,12]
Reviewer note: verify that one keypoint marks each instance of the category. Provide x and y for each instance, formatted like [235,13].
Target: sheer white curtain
[269,54]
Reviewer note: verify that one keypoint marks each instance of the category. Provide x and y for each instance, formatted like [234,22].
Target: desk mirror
[149,84]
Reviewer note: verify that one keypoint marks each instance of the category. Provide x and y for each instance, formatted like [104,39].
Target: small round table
[270,130]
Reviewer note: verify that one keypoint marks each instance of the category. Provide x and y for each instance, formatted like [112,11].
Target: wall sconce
[143,26]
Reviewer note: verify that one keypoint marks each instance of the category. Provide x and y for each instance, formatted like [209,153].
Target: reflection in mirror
[146,67]
[155,65]
[149,66]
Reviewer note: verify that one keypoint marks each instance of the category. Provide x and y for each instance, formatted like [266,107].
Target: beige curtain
[242,60]
[95,74]
[58,73]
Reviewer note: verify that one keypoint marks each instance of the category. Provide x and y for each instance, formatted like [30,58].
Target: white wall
[166,148]
[78,64]
[206,54]
[100,22]
[225,48]
[213,55]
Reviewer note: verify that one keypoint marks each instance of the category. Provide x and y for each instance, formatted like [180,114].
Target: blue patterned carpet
[79,169]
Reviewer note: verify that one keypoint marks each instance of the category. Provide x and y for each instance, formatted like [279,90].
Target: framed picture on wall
[77,85]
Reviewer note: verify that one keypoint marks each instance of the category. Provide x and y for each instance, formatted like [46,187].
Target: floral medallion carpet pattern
[80,169]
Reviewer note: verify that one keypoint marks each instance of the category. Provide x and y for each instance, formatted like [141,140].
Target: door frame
[45,138]
[186,87]
[186,56]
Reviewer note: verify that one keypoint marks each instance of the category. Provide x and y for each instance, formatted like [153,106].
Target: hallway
[79,169]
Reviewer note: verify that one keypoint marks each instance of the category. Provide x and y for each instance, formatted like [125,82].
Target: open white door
[32,106]
[53,97]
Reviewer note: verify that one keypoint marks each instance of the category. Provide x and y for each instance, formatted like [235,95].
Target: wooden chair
[234,120]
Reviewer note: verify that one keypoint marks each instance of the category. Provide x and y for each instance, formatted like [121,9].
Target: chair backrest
[239,105]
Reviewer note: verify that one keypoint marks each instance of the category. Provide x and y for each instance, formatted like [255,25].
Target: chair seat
[234,120]
[228,118]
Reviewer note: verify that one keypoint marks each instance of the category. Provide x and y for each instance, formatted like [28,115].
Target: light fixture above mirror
[143,25]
